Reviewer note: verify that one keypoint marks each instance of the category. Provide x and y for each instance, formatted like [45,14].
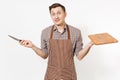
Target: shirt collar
[55,28]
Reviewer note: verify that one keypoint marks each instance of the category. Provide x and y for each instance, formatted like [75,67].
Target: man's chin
[57,24]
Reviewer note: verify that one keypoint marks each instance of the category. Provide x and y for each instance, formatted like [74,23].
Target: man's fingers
[24,42]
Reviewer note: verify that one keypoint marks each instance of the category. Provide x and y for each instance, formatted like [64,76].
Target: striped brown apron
[60,61]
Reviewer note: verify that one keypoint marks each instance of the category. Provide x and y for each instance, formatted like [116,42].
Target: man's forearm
[84,51]
[39,52]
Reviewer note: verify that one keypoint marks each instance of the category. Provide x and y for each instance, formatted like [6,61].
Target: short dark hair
[57,5]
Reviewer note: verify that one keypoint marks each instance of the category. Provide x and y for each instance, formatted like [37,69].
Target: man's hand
[26,43]
[29,44]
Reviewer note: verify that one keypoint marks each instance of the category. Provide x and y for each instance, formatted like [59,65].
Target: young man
[60,42]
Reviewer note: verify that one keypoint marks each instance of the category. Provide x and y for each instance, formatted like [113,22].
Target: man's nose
[56,16]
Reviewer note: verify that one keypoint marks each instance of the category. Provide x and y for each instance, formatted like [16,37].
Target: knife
[15,38]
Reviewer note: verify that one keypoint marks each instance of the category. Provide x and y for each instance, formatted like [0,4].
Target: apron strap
[68,31]
[51,34]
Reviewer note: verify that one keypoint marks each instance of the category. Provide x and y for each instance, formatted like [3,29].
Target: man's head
[58,13]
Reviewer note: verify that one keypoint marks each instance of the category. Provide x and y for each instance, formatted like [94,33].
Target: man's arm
[82,53]
[38,51]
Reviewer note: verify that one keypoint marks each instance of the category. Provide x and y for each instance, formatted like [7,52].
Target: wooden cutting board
[102,38]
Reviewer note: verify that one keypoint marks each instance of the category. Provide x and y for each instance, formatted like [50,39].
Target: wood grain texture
[102,38]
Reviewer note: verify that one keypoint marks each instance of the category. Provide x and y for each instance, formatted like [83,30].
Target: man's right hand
[26,43]
[29,44]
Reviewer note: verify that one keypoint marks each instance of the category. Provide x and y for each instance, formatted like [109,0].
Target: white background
[27,18]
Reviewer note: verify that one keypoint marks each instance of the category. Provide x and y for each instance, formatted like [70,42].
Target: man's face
[58,15]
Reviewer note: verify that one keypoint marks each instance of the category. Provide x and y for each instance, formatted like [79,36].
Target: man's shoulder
[47,29]
[74,29]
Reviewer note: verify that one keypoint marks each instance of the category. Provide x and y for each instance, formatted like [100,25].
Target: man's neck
[61,26]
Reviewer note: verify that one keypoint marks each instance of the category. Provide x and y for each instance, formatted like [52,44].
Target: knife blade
[15,38]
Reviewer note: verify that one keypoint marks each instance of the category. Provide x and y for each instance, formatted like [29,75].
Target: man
[60,42]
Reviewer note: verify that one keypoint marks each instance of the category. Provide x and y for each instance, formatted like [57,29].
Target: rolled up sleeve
[78,43]
[44,46]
